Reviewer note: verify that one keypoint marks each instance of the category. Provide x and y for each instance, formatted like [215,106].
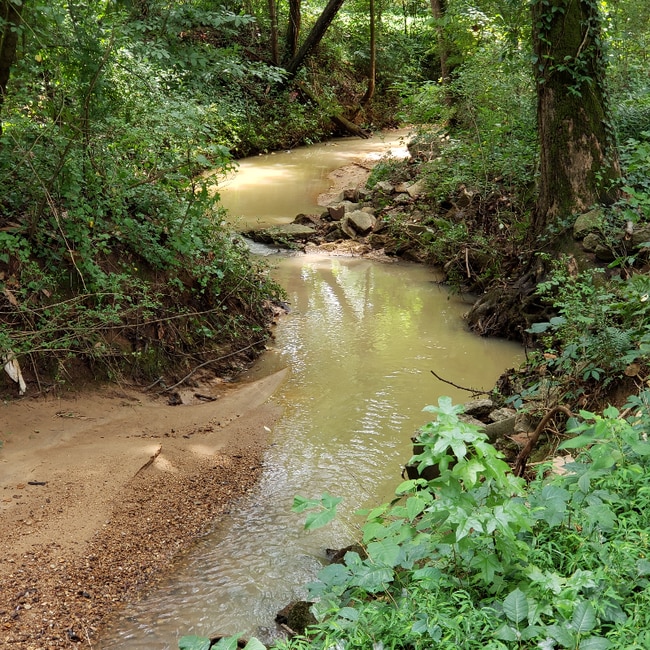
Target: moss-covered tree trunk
[578,160]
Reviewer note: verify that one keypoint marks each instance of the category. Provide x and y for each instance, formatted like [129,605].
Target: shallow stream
[359,343]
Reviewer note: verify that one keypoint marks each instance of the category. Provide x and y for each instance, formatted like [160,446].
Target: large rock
[591,221]
[362,222]
[289,233]
[416,189]
[386,187]
[338,210]
[640,235]
[478,408]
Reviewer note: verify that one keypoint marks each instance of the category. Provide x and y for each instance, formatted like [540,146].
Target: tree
[293,29]
[578,159]
[314,37]
[10,19]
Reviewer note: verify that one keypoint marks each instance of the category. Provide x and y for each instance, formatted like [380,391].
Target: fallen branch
[522,458]
[451,383]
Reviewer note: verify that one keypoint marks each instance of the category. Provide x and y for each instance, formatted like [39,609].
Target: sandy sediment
[100,492]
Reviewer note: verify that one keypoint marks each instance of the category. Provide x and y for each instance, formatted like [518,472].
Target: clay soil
[99,492]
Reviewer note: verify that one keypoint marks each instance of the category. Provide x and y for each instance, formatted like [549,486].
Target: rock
[417,229]
[604,253]
[337,555]
[386,187]
[640,235]
[424,149]
[591,221]
[334,234]
[307,220]
[350,194]
[416,189]
[336,212]
[591,242]
[469,419]
[500,429]
[478,408]
[501,414]
[362,222]
[364,194]
[402,199]
[347,229]
[283,234]
[296,616]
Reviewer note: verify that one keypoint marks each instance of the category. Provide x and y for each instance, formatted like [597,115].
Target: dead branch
[522,458]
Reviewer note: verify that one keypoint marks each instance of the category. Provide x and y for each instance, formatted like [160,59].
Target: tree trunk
[438,9]
[314,38]
[10,15]
[293,30]
[372,74]
[578,159]
[273,17]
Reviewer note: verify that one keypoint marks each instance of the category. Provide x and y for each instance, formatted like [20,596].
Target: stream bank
[101,491]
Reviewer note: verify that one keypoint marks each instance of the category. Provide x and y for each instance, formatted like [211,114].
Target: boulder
[362,222]
[591,221]
[416,189]
[336,212]
[385,187]
[297,617]
[501,414]
[350,194]
[283,234]
[307,220]
[591,242]
[478,408]
[640,235]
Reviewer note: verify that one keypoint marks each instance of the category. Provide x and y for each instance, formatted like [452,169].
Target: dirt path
[98,493]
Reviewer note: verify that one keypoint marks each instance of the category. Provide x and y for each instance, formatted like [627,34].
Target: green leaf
[254,644]
[515,606]
[386,552]
[414,506]
[507,633]
[227,643]
[193,643]
[595,643]
[584,617]
[372,578]
[349,612]
[562,635]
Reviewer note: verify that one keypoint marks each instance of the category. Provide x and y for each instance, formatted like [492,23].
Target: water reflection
[359,343]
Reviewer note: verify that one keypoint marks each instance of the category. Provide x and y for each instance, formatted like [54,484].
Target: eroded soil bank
[99,492]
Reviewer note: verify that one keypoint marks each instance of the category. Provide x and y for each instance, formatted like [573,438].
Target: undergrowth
[477,558]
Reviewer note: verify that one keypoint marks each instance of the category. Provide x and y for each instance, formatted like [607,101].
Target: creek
[359,343]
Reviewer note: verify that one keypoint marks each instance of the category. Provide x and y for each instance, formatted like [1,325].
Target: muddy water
[360,343]
[274,188]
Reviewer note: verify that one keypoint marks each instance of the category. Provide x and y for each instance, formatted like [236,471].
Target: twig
[451,383]
[520,462]
[469,274]
[205,363]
